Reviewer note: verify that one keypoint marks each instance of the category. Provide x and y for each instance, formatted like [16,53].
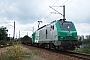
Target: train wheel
[52,46]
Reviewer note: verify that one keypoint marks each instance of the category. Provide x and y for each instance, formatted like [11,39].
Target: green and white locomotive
[58,34]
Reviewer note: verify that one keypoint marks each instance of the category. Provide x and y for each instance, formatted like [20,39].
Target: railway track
[2,46]
[78,55]
[82,56]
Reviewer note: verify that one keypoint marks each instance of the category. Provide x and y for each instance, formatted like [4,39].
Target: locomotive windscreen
[66,26]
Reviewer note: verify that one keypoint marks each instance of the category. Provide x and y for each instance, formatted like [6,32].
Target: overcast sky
[26,13]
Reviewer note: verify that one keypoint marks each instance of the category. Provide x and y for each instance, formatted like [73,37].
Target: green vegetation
[4,39]
[5,42]
[85,47]
[3,33]
[16,52]
[86,41]
[35,52]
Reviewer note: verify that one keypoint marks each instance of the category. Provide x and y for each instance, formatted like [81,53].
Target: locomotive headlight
[61,37]
[75,37]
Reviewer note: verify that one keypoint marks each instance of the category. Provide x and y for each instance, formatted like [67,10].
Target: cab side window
[52,26]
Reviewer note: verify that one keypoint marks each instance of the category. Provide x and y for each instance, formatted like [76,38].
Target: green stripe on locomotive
[66,34]
[33,36]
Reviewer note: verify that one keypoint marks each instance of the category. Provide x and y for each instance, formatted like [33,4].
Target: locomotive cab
[67,34]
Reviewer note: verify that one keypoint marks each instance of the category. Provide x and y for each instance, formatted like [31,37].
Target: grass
[86,48]
[83,50]
[16,53]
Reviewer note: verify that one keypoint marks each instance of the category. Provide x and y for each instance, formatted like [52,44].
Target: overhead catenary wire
[11,17]
[47,9]
[57,8]
[69,2]
[5,9]
[61,4]
[64,2]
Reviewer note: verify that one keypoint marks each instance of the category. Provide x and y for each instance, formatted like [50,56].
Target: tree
[85,46]
[3,33]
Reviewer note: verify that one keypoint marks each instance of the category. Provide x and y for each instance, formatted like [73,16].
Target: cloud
[78,11]
[26,13]
[29,11]
[83,28]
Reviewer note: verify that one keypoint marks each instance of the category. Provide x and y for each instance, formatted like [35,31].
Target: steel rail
[78,55]
[83,56]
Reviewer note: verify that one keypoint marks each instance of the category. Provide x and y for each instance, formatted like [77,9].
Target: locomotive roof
[53,22]
[41,27]
[46,25]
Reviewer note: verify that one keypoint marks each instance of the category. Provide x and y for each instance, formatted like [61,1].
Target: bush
[86,48]
[16,52]
[3,42]
[86,41]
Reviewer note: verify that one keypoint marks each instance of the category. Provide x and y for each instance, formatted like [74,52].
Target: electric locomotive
[58,34]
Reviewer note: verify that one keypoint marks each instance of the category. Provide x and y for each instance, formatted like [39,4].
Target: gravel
[49,55]
[43,54]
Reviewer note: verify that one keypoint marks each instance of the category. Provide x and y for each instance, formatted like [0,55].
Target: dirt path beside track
[42,54]
[49,55]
